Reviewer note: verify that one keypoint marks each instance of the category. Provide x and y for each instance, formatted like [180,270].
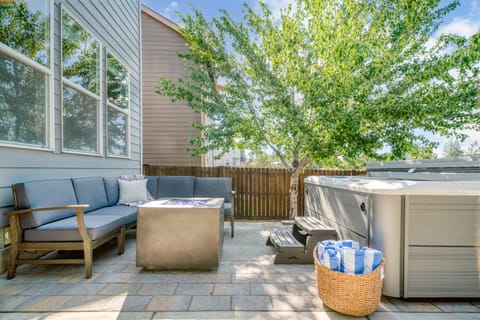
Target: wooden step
[285,239]
[312,225]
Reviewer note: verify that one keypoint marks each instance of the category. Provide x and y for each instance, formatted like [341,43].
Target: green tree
[473,149]
[453,148]
[330,83]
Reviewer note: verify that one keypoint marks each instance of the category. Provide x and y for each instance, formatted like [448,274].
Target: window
[81,88]
[25,72]
[117,107]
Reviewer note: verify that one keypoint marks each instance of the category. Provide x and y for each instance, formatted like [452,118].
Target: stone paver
[301,289]
[11,289]
[128,303]
[211,303]
[8,303]
[248,278]
[120,289]
[239,289]
[194,289]
[291,303]
[217,315]
[84,303]
[148,278]
[423,316]
[215,278]
[414,306]
[157,289]
[456,307]
[169,303]
[42,303]
[246,285]
[249,303]
[119,277]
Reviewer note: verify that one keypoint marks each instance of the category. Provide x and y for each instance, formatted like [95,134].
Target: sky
[464,20]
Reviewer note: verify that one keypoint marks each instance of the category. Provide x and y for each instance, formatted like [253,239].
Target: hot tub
[429,231]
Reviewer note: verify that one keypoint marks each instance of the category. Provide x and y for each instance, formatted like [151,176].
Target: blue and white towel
[346,256]
[348,244]
[373,258]
[331,258]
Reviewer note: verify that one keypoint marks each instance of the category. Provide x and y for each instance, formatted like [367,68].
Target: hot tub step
[289,249]
[284,239]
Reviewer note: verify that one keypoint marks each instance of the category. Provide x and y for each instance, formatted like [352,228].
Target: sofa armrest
[16,228]
[25,211]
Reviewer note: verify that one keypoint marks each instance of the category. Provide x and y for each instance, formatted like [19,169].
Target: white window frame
[82,90]
[49,107]
[118,109]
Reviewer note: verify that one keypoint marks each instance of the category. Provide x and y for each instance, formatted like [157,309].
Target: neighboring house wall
[167,126]
[116,27]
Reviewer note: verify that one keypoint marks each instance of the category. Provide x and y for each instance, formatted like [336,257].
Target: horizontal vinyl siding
[116,24]
[167,126]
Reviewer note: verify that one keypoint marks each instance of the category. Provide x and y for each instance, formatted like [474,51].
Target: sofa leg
[88,257]
[12,262]
[121,240]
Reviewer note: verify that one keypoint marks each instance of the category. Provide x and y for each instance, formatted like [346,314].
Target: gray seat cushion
[129,214]
[175,186]
[91,191]
[45,193]
[67,230]
[111,189]
[214,188]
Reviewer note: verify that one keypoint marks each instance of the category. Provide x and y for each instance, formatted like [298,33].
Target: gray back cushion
[45,193]
[90,190]
[214,188]
[112,190]
[175,186]
[152,182]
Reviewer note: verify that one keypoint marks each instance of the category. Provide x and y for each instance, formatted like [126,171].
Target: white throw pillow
[132,191]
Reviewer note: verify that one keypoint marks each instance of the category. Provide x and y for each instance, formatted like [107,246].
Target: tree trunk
[293,210]
[294,182]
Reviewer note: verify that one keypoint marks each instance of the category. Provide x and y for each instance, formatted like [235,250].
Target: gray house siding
[116,24]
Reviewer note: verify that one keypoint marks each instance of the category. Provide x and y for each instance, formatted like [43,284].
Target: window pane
[117,82]
[79,121]
[25,27]
[23,102]
[117,132]
[80,54]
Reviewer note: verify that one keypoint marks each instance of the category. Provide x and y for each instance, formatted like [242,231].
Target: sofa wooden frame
[87,245]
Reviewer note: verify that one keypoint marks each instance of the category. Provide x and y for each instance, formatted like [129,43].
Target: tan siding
[167,126]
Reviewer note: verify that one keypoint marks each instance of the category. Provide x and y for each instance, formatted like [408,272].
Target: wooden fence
[261,193]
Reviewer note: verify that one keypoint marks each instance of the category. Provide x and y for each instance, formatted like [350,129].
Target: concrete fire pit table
[180,233]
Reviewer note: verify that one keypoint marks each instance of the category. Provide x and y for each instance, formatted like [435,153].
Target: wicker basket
[350,294]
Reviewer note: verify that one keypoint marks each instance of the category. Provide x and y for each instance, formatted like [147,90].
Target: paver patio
[247,285]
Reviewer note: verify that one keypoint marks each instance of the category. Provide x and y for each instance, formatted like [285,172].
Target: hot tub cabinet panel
[445,221]
[442,272]
[429,231]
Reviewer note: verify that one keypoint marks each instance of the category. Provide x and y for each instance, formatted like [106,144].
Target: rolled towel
[331,258]
[325,243]
[353,260]
[348,244]
[373,258]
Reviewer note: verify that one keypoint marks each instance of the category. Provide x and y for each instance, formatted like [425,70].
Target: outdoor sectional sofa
[83,213]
